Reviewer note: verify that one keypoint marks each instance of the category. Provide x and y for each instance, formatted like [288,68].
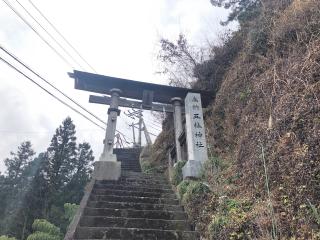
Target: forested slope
[46,187]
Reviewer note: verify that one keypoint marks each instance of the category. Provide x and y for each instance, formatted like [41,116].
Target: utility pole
[140,129]
[133,134]
[146,133]
[136,114]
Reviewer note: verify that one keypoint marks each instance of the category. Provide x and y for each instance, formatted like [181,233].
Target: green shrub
[42,225]
[183,187]
[6,238]
[217,223]
[176,175]
[70,210]
[213,165]
[146,167]
[44,230]
[42,236]
[195,190]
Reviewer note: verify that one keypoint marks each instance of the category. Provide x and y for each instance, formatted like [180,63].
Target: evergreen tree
[241,10]
[16,184]
[19,161]
[83,168]
[58,169]
[61,155]
[38,188]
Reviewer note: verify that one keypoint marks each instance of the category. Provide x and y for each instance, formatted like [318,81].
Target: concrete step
[134,170]
[134,185]
[133,234]
[108,192]
[137,181]
[141,223]
[115,198]
[161,189]
[130,213]
[129,168]
[134,206]
[144,180]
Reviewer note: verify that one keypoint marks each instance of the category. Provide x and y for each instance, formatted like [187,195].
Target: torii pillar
[108,168]
[177,118]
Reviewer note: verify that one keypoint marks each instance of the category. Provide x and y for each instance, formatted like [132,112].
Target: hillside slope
[263,131]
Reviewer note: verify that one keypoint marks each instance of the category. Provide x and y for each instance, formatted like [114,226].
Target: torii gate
[150,96]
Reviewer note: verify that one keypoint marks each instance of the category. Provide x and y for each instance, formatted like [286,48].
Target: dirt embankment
[264,129]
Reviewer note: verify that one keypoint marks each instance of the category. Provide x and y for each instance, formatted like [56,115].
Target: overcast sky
[118,38]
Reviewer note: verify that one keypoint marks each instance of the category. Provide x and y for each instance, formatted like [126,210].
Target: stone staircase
[138,206]
[129,158]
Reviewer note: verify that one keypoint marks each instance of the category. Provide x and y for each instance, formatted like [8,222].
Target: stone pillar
[177,118]
[195,135]
[107,168]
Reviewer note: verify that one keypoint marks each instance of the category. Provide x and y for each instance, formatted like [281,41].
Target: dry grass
[269,98]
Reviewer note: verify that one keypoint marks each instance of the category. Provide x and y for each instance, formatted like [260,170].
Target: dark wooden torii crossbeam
[149,93]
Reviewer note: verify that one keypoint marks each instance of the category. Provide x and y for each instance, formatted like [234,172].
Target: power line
[148,132]
[51,85]
[61,35]
[57,89]
[48,92]
[36,32]
[63,58]
[52,37]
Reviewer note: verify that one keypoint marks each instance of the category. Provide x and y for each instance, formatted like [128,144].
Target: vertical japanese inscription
[196,141]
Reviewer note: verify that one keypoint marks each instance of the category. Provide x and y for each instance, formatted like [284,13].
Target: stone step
[133,188]
[115,198]
[131,168]
[133,234]
[134,185]
[130,213]
[144,182]
[130,165]
[134,206]
[134,170]
[141,223]
[108,192]
[142,175]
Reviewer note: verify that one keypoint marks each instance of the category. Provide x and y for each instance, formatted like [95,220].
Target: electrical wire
[61,56]
[51,36]
[62,36]
[36,32]
[55,88]
[50,84]
[48,92]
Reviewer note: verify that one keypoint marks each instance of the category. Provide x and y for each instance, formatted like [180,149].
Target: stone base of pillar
[107,170]
[192,169]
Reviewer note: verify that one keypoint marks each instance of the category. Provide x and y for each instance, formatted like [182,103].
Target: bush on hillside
[7,238]
[176,173]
